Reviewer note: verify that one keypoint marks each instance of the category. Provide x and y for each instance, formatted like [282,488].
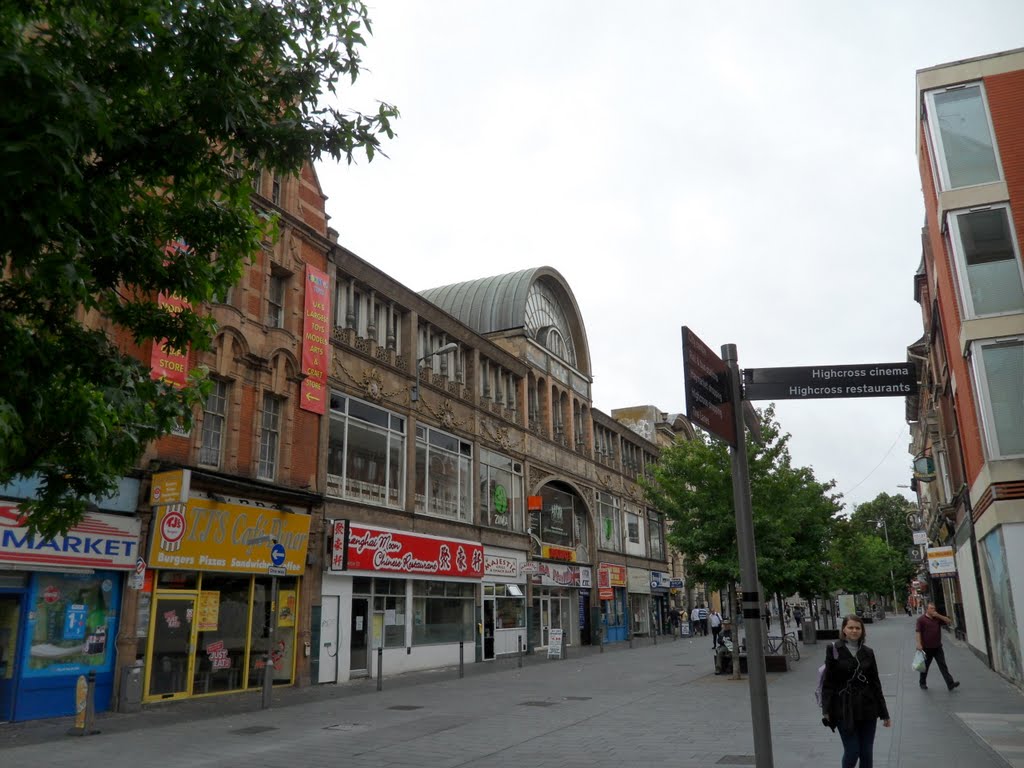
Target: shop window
[282,655]
[562,522]
[443,471]
[222,624]
[443,612]
[70,624]
[365,453]
[389,613]
[509,607]
[177,579]
[501,491]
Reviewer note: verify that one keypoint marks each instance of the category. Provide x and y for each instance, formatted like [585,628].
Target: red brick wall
[1006,103]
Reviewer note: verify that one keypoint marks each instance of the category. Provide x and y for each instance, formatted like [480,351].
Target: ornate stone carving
[370,380]
[501,436]
[538,476]
[445,414]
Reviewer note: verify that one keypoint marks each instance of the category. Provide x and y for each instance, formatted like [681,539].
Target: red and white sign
[388,551]
[99,541]
[555,575]
[338,546]
[504,565]
[316,332]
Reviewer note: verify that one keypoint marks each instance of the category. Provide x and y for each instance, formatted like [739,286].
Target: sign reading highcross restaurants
[819,381]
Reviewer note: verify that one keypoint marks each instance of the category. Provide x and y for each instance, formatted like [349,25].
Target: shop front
[661,608]
[638,585]
[207,617]
[60,602]
[558,599]
[504,602]
[611,592]
[410,596]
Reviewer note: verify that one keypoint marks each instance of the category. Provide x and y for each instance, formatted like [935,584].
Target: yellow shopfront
[206,603]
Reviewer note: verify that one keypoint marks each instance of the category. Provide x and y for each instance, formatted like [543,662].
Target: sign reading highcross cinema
[818,381]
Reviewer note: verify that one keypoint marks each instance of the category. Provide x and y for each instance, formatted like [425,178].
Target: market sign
[316,331]
[706,385]
[817,381]
[206,535]
[389,551]
[108,542]
[941,561]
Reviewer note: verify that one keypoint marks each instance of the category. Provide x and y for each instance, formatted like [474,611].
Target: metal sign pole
[748,572]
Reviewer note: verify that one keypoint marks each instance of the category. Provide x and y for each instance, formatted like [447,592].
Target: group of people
[851,694]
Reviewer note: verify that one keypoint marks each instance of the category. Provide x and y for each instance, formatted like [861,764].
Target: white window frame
[425,503]
[608,507]
[341,486]
[276,304]
[270,436]
[516,495]
[214,425]
[956,243]
[984,401]
[935,136]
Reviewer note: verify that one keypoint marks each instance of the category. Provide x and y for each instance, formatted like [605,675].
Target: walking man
[695,622]
[702,612]
[716,628]
[929,640]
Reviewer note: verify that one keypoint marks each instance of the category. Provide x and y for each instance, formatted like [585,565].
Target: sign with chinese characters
[389,551]
[316,331]
[98,541]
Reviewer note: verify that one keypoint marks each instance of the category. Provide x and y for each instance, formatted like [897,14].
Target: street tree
[859,560]
[885,517]
[129,128]
[792,511]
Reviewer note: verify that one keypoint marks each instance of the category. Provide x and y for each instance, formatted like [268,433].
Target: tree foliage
[792,511]
[129,126]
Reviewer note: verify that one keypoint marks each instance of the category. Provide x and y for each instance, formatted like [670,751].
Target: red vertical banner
[166,362]
[316,332]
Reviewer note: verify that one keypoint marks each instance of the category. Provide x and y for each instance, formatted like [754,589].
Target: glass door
[10,611]
[545,620]
[488,628]
[358,634]
[170,668]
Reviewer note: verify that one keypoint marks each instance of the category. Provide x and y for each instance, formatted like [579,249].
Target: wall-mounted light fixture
[451,346]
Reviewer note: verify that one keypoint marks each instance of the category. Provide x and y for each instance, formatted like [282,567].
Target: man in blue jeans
[929,640]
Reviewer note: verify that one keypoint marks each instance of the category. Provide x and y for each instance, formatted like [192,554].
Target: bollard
[380,668]
[85,706]
[654,634]
[630,639]
[462,669]
[519,641]
[565,647]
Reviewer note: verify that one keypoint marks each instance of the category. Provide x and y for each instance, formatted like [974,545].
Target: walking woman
[851,694]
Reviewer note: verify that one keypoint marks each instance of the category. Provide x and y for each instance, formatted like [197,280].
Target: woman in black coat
[851,694]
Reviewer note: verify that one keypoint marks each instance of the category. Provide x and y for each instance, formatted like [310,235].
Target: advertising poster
[286,614]
[209,610]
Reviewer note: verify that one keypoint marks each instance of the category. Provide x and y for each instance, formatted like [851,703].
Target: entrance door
[170,670]
[545,620]
[488,628]
[10,612]
[330,639]
[359,633]
[556,616]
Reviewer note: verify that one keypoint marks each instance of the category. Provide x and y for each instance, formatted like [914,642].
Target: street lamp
[268,665]
[451,346]
[892,579]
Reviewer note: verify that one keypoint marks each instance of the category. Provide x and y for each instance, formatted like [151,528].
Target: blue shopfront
[611,591]
[60,602]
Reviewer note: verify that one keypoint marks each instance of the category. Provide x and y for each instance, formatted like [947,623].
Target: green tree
[885,517]
[792,511]
[859,560]
[129,126]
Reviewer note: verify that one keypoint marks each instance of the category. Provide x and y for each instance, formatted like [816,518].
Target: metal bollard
[630,639]
[462,668]
[654,634]
[85,705]
[519,641]
[565,647]
[380,669]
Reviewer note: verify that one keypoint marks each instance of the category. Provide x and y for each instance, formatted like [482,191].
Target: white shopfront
[638,585]
[557,596]
[410,597]
[504,602]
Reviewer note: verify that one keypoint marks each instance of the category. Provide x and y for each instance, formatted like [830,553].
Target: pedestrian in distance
[929,639]
[715,619]
[702,614]
[767,617]
[695,623]
[851,694]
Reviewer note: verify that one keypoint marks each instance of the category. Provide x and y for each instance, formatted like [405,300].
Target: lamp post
[451,346]
[892,578]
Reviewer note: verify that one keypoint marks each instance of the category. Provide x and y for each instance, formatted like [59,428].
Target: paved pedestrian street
[649,705]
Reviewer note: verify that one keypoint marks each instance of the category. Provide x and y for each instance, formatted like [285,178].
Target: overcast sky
[746,169]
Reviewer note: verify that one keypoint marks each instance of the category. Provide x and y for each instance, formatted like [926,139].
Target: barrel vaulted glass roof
[537,300]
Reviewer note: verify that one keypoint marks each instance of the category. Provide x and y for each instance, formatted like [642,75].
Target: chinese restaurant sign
[383,550]
[206,535]
[98,541]
[315,341]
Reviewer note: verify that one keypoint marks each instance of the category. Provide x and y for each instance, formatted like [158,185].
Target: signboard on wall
[385,550]
[206,535]
[941,561]
[316,332]
[555,575]
[104,541]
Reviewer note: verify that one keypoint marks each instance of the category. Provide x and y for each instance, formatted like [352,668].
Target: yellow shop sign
[205,535]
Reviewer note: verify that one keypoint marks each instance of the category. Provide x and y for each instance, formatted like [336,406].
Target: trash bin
[810,632]
[130,697]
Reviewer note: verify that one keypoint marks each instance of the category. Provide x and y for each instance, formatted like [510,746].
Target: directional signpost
[706,382]
[818,381]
